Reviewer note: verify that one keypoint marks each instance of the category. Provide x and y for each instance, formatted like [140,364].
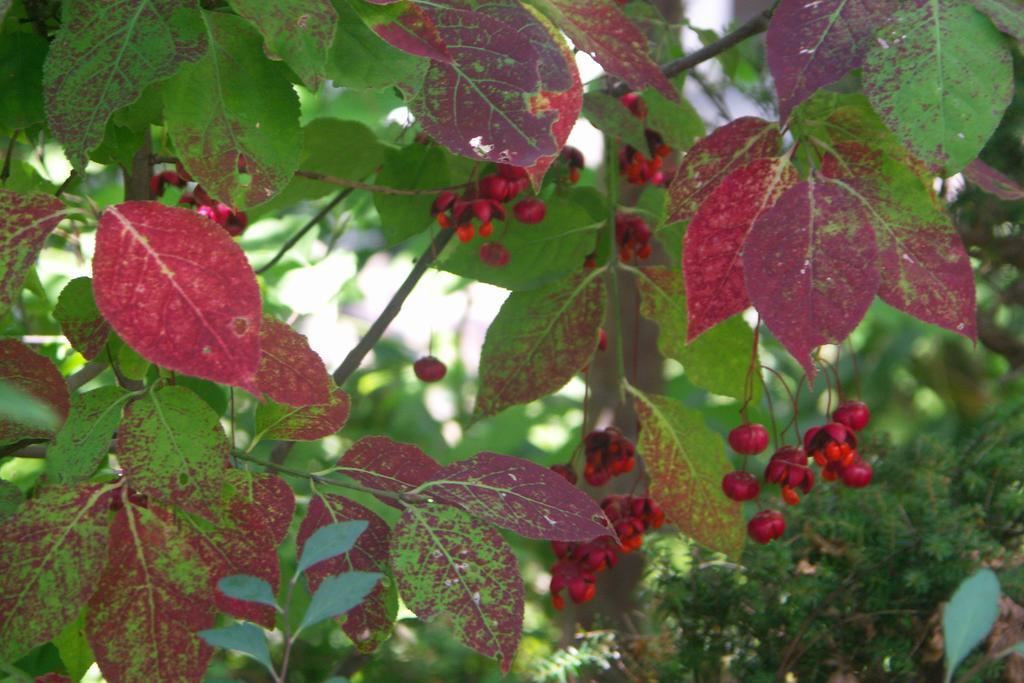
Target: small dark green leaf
[329,541]
[969,616]
[245,638]
[249,588]
[338,594]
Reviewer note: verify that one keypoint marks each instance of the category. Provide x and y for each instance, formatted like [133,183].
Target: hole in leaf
[240,325]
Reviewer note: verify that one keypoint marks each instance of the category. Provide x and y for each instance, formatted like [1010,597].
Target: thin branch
[89,372]
[300,233]
[376,331]
[759,24]
[5,170]
[380,189]
[18,450]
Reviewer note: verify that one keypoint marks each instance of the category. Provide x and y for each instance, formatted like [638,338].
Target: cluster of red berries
[633,236]
[486,202]
[640,168]
[235,222]
[608,454]
[833,447]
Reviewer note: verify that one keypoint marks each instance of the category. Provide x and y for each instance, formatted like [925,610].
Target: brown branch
[380,189]
[89,372]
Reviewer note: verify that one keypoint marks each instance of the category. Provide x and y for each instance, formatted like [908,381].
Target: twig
[293,240]
[380,189]
[376,331]
[67,182]
[5,170]
[89,372]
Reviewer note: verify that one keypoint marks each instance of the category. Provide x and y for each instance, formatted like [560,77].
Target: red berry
[429,369]
[482,210]
[602,341]
[464,232]
[493,187]
[749,439]
[511,172]
[741,486]
[530,211]
[493,253]
[766,525]
[486,229]
[444,200]
[853,414]
[858,474]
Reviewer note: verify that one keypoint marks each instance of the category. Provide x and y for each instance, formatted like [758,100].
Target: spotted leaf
[381,463]
[290,372]
[24,369]
[25,223]
[80,319]
[305,423]
[83,443]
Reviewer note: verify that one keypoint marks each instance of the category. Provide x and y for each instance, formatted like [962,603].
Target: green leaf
[969,616]
[338,594]
[11,498]
[83,442]
[686,462]
[21,55]
[80,320]
[538,341]
[360,59]
[74,649]
[719,359]
[102,58]
[330,541]
[298,31]
[234,117]
[249,588]
[615,119]
[940,76]
[172,447]
[245,638]
[25,409]
[1007,15]
[678,122]
[538,254]
[414,167]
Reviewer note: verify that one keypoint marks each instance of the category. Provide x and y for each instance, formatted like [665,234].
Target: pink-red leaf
[380,463]
[369,623]
[447,564]
[600,29]
[25,369]
[812,44]
[710,160]
[150,602]
[177,289]
[80,319]
[306,423]
[409,28]
[52,552]
[290,372]
[993,182]
[25,222]
[518,495]
[810,265]
[712,247]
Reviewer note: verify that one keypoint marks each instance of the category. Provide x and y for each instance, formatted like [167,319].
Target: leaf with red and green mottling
[712,247]
[245,539]
[150,602]
[24,369]
[518,495]
[614,119]
[811,268]
[290,372]
[471,112]
[812,44]
[1007,15]
[368,624]
[25,222]
[940,76]
[447,564]
[298,31]
[80,319]
[713,158]
[718,361]
[104,56]
[83,443]
[179,290]
[234,117]
[924,267]
[407,27]
[686,462]
[11,498]
[538,341]
[53,677]
[172,447]
[992,181]
[600,29]
[52,552]
[380,463]
[306,423]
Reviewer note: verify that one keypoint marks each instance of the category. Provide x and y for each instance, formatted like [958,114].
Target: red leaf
[52,552]
[710,160]
[308,423]
[993,182]
[411,31]
[812,44]
[27,370]
[447,564]
[25,223]
[178,290]
[290,372]
[80,319]
[518,495]
[600,29]
[369,623]
[474,114]
[258,510]
[380,463]
[150,601]
[712,265]
[810,264]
